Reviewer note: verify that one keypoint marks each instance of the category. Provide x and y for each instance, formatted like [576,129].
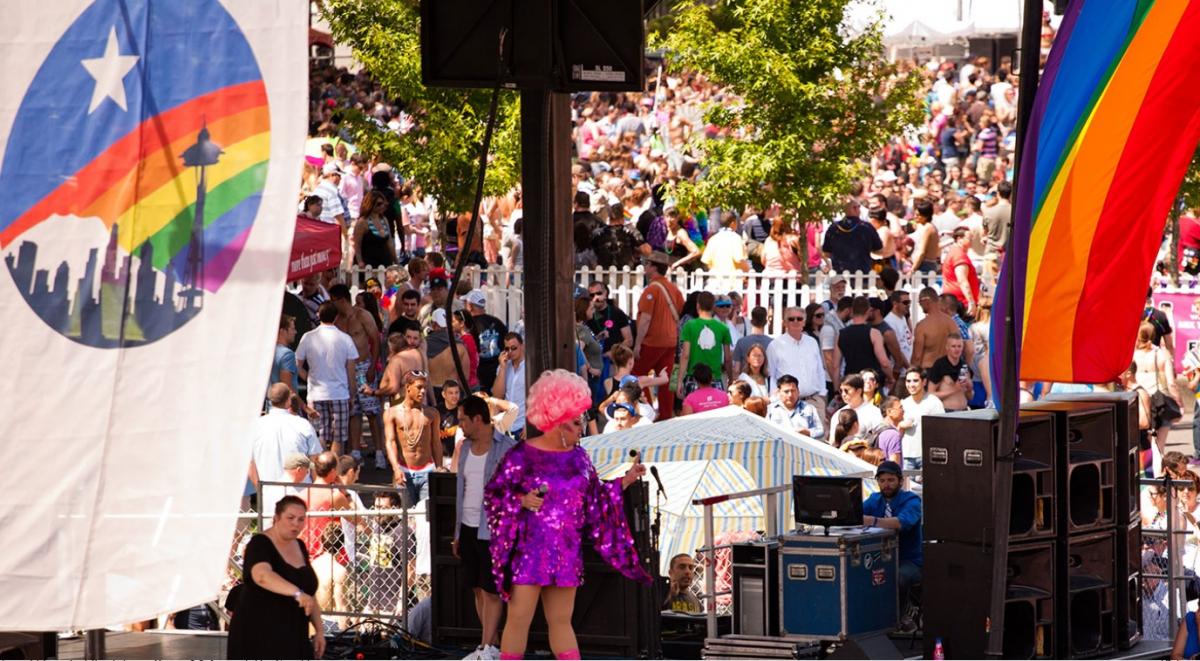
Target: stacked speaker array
[1073,583]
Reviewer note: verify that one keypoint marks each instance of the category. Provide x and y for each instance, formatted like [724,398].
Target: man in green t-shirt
[705,340]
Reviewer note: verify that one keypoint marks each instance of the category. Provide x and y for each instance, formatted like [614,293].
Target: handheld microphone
[658,480]
[540,492]
[633,454]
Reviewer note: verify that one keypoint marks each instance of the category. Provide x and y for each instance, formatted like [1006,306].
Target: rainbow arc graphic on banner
[161,152]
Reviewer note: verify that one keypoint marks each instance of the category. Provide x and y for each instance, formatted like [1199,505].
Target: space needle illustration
[200,155]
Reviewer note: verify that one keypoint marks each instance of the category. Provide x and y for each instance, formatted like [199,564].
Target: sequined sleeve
[605,519]
[503,500]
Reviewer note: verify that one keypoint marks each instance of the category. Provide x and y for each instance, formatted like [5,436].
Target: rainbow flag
[1115,122]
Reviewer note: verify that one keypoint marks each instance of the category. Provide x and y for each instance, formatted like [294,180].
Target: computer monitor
[827,501]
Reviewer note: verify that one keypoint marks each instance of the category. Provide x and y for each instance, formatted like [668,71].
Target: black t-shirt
[491,332]
[943,368]
[616,245]
[607,326]
[449,428]
[1158,319]
[858,352]
[589,220]
[849,243]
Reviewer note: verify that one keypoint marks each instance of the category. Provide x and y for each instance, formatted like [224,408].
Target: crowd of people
[376,371]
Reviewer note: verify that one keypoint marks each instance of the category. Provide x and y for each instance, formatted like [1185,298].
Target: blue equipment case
[840,585]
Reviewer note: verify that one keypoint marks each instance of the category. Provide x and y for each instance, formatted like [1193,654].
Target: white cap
[475,297]
[330,168]
[439,317]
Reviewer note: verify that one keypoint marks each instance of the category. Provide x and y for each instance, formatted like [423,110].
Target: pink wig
[557,396]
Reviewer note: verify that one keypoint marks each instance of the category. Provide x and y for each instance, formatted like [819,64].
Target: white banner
[150,154]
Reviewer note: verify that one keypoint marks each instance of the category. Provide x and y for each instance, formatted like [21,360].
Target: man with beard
[680,598]
[894,508]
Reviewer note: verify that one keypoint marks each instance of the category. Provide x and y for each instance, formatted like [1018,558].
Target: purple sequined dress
[543,548]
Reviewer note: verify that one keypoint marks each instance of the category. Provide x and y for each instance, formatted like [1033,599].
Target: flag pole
[1030,61]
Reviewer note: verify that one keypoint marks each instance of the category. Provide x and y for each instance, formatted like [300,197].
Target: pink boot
[569,654]
[511,656]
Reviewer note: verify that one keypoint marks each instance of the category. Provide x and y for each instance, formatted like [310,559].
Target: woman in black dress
[271,620]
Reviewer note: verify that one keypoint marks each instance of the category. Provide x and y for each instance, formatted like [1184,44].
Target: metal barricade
[710,548]
[1170,559]
[372,562]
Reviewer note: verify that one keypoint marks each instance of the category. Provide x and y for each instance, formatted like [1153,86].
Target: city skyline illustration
[120,302]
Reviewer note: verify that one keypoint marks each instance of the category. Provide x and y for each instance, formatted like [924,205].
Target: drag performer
[536,540]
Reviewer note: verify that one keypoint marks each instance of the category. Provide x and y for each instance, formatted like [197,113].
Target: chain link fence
[372,557]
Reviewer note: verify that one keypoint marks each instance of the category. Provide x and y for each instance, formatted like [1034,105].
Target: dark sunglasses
[795,318]
[512,348]
[819,316]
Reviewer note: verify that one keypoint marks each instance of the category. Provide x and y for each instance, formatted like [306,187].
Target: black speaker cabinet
[1124,406]
[1087,608]
[614,616]
[1129,585]
[1087,445]
[561,45]
[959,477]
[756,588]
[956,593]
[17,645]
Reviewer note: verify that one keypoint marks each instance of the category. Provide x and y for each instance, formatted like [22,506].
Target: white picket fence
[775,291]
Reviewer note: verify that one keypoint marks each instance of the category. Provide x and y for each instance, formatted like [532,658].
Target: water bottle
[938,651]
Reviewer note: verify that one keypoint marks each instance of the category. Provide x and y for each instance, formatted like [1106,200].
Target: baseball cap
[889,467]
[836,279]
[437,282]
[616,406]
[475,297]
[628,379]
[296,460]
[439,318]
[659,257]
[724,303]
[330,168]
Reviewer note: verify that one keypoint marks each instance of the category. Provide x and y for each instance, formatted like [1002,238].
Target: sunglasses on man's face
[511,348]
[801,319]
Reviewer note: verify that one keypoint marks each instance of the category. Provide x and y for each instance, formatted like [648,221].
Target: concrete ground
[1181,433]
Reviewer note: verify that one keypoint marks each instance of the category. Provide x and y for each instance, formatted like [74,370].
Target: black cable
[465,251]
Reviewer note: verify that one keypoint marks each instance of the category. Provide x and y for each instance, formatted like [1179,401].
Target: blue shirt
[804,416]
[285,359]
[906,506]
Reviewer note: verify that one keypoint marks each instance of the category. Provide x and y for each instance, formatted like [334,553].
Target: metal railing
[709,550]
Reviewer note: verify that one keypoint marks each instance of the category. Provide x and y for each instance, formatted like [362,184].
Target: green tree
[1188,199]
[815,101]
[442,152]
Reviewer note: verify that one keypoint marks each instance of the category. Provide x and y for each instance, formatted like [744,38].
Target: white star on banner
[109,71]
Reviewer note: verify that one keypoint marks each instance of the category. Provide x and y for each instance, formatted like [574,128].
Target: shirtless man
[441,361]
[360,326]
[929,337]
[404,356]
[413,447]
[926,253]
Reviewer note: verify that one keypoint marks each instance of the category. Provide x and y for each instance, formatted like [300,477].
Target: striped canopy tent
[768,453]
[682,522]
